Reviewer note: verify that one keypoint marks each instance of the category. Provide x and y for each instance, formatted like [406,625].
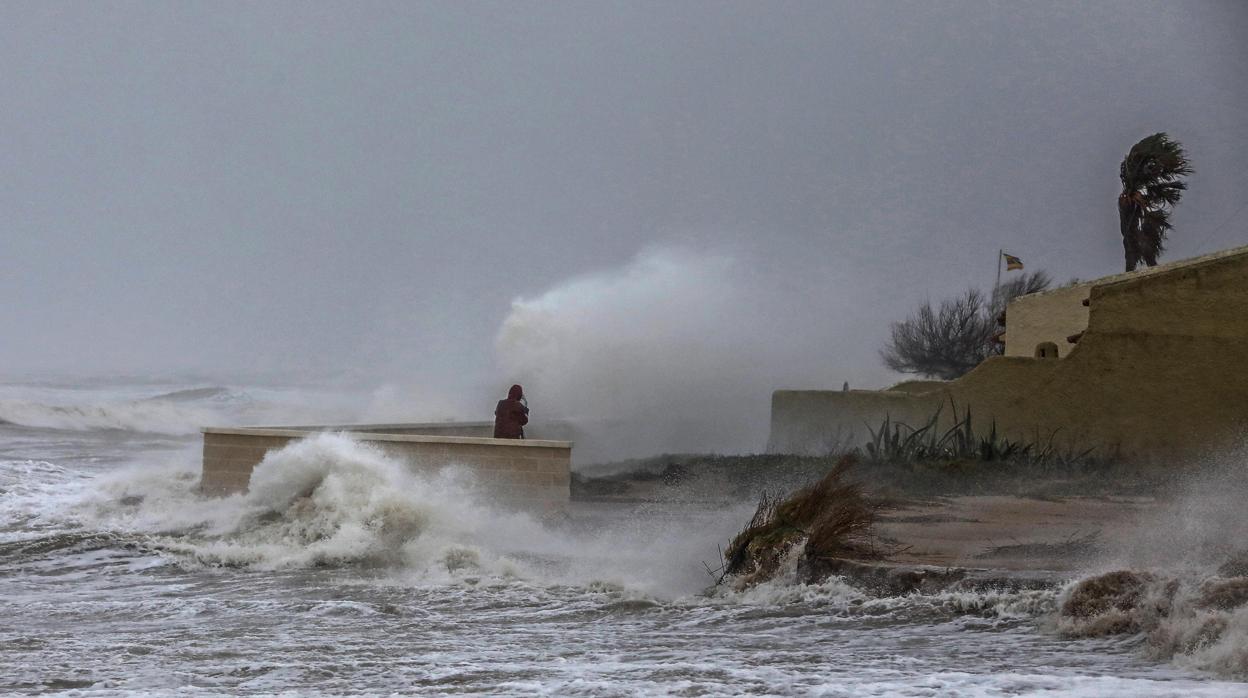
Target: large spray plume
[675,351]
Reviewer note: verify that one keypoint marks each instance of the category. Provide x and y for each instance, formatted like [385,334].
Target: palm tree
[1152,183]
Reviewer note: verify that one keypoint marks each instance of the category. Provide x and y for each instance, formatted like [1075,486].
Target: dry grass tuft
[832,517]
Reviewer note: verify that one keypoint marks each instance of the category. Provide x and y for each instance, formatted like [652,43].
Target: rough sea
[341,573]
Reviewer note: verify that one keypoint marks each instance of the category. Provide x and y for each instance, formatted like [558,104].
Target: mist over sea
[341,572]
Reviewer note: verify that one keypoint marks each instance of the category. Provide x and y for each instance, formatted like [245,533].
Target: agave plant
[897,442]
[1152,183]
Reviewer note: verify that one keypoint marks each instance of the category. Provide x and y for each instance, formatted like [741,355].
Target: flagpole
[996,288]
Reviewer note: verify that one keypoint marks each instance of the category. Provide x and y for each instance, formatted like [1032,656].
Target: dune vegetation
[830,518]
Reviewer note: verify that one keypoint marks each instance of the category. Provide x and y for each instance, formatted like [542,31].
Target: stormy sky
[455,194]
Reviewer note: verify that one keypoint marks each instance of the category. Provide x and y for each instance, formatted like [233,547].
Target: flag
[1012,262]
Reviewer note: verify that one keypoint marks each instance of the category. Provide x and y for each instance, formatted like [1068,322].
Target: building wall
[529,473]
[917,386]
[814,422]
[1206,300]
[1157,375]
[1052,316]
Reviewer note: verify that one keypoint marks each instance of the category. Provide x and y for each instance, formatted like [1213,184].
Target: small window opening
[1046,350]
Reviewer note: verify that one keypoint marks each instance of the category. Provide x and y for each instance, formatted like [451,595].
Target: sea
[341,572]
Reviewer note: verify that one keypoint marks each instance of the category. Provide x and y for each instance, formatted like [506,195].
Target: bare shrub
[947,341]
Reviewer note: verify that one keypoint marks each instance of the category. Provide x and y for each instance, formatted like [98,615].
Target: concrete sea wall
[529,473]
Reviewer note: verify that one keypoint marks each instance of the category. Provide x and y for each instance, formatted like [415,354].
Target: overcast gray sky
[364,189]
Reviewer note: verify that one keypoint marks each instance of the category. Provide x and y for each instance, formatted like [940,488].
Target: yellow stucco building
[1151,364]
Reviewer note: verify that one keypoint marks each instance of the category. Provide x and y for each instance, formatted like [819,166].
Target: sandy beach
[1009,533]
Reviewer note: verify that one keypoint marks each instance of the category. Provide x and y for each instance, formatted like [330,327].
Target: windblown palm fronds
[1152,183]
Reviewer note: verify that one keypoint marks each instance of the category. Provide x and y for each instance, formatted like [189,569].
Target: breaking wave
[152,416]
[29,489]
[329,501]
[174,413]
[1178,583]
[323,501]
[1001,603]
[192,394]
[1198,621]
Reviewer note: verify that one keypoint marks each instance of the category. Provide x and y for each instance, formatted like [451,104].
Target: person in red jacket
[511,415]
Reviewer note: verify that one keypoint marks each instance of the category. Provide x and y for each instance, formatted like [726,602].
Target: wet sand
[1044,535]
[1007,532]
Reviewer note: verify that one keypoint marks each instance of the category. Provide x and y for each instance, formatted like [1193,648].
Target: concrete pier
[530,473]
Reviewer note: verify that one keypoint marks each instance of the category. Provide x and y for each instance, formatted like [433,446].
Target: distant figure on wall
[511,415]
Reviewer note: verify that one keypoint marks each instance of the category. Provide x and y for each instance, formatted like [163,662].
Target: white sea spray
[1178,581]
